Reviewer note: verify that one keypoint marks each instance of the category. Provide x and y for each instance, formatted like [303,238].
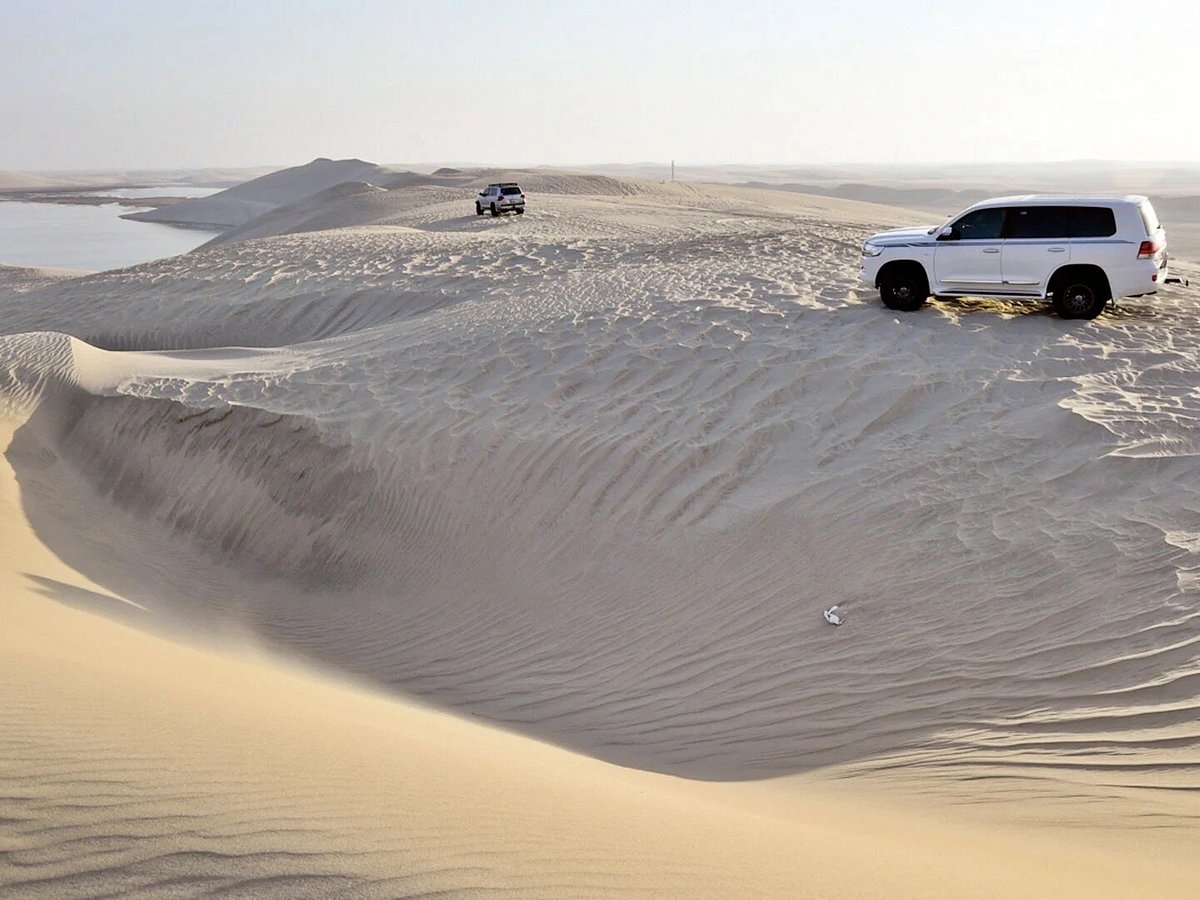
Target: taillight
[1148,249]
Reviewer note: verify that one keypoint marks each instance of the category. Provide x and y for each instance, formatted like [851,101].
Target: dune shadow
[107,605]
[1031,308]
[174,580]
[992,305]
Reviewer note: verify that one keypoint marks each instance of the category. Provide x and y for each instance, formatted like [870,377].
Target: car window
[1092,221]
[1037,222]
[1149,217]
[510,190]
[980,225]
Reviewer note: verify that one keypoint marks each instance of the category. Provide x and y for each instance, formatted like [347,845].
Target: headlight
[870,249]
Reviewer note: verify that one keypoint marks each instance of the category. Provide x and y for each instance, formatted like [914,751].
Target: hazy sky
[166,83]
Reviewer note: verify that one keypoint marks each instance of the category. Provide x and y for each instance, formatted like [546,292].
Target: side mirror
[947,233]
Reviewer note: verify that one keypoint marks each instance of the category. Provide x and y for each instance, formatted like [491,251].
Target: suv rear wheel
[903,289]
[495,212]
[1079,297]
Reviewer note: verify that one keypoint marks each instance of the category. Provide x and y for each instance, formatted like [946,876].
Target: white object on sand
[832,617]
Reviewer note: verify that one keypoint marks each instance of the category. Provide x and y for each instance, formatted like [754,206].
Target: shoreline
[88,196]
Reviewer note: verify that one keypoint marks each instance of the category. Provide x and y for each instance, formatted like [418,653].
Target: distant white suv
[499,198]
[1080,252]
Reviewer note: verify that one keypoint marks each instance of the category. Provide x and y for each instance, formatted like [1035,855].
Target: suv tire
[1079,297]
[520,210]
[904,290]
[495,212]
[478,209]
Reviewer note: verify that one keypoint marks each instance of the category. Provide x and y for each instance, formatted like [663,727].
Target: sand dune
[586,479]
[597,204]
[135,766]
[245,201]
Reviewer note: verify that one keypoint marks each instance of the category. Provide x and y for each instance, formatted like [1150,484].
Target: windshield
[947,221]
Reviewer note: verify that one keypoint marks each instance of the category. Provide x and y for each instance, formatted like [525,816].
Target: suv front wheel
[904,290]
[1079,298]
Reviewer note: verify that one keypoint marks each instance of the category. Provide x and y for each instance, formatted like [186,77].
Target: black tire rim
[1078,299]
[901,291]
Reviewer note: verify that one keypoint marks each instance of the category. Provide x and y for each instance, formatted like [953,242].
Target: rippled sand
[389,551]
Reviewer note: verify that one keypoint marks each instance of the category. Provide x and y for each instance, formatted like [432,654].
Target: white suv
[1080,252]
[500,197]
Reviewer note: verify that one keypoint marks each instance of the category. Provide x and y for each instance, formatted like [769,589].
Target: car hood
[899,236]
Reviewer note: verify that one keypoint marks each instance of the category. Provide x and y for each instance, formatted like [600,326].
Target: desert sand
[378,549]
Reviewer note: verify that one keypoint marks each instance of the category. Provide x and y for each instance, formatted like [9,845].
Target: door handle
[991,249]
[1056,249]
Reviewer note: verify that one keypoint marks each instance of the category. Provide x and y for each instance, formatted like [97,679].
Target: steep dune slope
[133,766]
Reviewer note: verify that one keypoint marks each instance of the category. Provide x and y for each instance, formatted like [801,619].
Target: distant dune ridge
[315,184]
[381,549]
[243,202]
[20,182]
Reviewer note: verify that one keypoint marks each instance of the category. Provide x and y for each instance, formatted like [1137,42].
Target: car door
[1094,239]
[967,257]
[1036,242]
